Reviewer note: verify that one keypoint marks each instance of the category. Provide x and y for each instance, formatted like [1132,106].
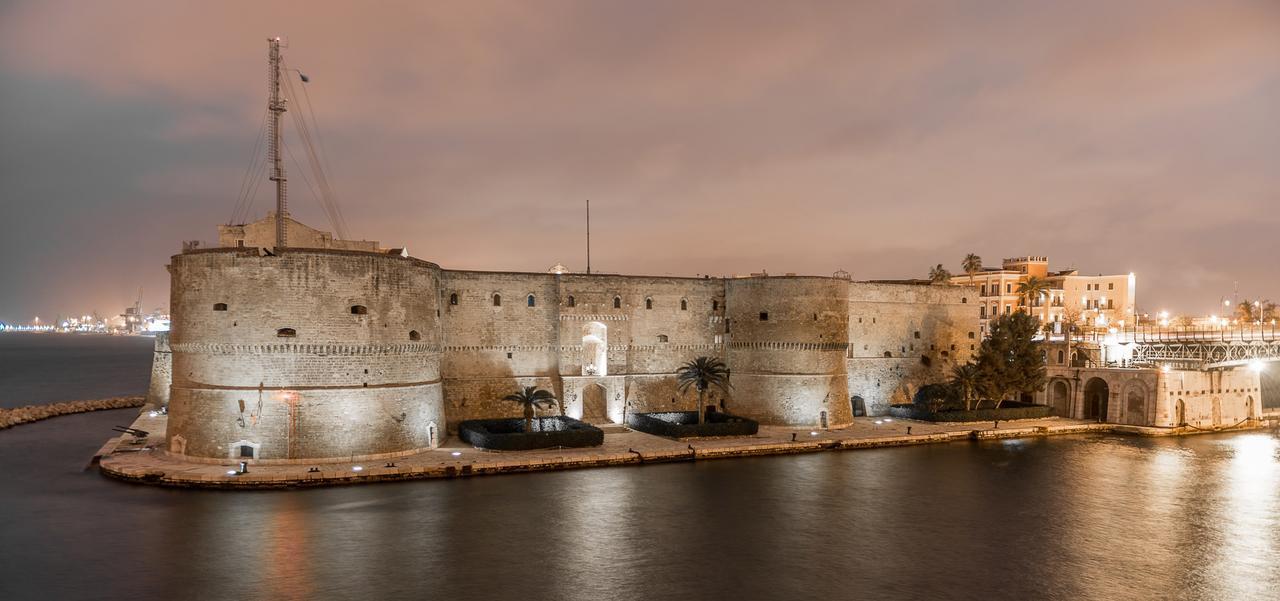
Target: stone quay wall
[34,413]
[313,353]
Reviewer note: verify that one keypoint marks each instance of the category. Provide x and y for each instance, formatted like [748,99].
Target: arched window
[648,303]
[414,335]
[617,302]
[453,298]
[497,300]
[220,306]
[1061,357]
[286,333]
[662,337]
[359,310]
[964,300]
[715,305]
[572,302]
[888,354]
[684,305]
[530,300]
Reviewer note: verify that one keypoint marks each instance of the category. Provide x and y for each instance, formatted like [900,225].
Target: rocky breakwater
[35,413]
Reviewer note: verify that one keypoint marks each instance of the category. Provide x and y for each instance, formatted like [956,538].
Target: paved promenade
[144,459]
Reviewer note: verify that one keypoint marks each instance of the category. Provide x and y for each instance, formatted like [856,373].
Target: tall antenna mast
[588,237]
[277,108]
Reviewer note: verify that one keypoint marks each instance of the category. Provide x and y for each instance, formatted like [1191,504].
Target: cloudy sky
[711,137]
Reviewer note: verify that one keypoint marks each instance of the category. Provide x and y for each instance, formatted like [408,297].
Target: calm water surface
[1062,518]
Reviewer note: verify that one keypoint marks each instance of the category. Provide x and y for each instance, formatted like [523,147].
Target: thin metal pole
[588,237]
[277,107]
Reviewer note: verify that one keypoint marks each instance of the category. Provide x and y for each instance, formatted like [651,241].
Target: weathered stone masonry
[322,353]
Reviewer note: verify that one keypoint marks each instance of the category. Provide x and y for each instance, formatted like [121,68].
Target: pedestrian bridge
[1204,348]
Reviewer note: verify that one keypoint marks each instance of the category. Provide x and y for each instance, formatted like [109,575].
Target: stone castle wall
[902,337]
[341,383]
[161,372]
[428,348]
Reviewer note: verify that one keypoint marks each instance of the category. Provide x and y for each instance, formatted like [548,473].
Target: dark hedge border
[1010,410]
[549,433]
[684,424]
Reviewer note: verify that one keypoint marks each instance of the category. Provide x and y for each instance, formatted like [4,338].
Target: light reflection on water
[1083,517]
[1080,517]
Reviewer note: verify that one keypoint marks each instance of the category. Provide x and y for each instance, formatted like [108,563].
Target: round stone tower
[787,347]
[306,354]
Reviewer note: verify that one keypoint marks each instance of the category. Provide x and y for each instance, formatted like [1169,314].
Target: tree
[703,373]
[1250,311]
[939,274]
[965,380]
[530,397]
[1010,361]
[971,265]
[1031,290]
[933,397]
[1247,311]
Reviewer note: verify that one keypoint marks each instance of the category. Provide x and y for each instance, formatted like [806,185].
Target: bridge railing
[1264,332]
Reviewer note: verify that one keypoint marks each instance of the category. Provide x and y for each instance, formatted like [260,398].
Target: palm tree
[939,274]
[531,397]
[1033,288]
[964,379]
[703,373]
[971,265]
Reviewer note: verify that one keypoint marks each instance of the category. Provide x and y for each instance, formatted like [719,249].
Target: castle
[350,350]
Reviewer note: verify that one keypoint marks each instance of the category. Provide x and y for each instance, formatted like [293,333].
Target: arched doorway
[1096,392]
[1135,404]
[1217,412]
[595,406]
[1249,409]
[1180,414]
[859,406]
[1060,398]
[595,349]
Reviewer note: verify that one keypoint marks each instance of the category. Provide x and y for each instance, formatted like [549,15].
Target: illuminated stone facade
[300,353]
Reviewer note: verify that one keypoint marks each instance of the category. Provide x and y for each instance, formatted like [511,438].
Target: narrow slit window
[530,301]
[572,302]
[497,300]
[617,302]
[453,298]
[684,305]
[648,303]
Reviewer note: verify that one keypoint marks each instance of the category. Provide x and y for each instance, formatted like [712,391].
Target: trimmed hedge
[1008,410]
[549,432]
[684,424]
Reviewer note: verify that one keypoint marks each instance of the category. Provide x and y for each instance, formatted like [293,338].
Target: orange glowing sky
[711,137]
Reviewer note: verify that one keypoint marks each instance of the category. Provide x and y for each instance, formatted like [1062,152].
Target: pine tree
[1010,361]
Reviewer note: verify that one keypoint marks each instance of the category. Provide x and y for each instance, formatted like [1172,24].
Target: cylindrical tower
[788,338]
[302,355]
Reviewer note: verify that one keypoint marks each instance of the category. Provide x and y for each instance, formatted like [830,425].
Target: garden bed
[1007,410]
[684,424]
[548,433]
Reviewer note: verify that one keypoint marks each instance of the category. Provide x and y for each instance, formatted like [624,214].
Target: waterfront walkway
[144,459]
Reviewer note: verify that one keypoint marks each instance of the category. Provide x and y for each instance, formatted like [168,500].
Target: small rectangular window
[764,316]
